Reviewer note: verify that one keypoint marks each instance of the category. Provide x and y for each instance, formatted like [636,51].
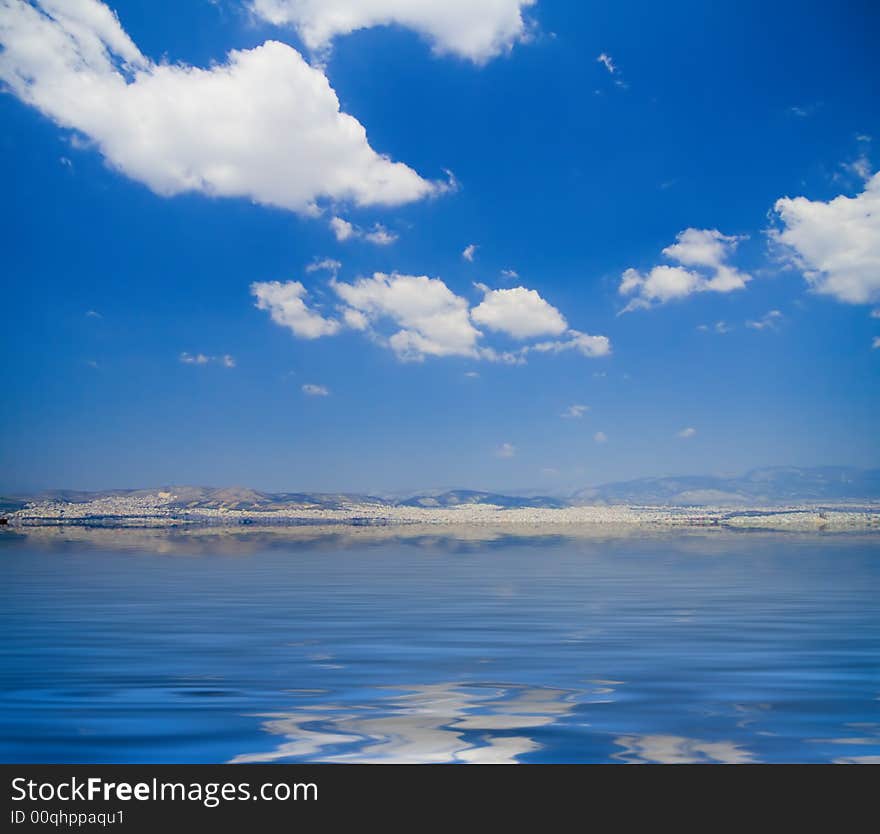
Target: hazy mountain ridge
[771,485]
[767,485]
[455,498]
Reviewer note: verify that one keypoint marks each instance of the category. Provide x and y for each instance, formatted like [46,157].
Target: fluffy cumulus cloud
[836,244]
[286,304]
[519,313]
[263,124]
[476,31]
[702,255]
[417,316]
[432,319]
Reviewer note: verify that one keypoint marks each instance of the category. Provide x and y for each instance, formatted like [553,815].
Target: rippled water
[257,647]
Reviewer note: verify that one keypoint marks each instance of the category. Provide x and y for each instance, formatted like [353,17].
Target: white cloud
[469,251]
[701,247]
[325,264]
[341,228]
[344,230]
[607,62]
[575,412]
[690,431]
[286,305]
[875,314]
[263,125]
[836,244]
[600,437]
[706,251]
[860,166]
[661,284]
[225,360]
[380,235]
[93,314]
[591,346]
[432,319]
[509,274]
[505,450]
[476,31]
[472,374]
[426,317]
[803,111]
[767,322]
[876,343]
[355,319]
[315,390]
[720,327]
[519,313]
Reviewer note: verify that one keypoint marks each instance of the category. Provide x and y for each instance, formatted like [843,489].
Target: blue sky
[165,204]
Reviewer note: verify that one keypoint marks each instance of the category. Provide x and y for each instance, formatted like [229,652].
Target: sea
[462,645]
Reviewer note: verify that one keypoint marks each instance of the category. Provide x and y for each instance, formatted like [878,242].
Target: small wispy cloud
[93,314]
[876,343]
[768,321]
[720,327]
[225,360]
[613,70]
[575,412]
[509,274]
[803,111]
[688,432]
[600,437]
[472,374]
[875,314]
[345,230]
[311,390]
[505,450]
[859,167]
[469,252]
[330,265]
[380,235]
[608,62]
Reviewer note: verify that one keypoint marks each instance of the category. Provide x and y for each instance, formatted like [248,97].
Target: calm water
[259,647]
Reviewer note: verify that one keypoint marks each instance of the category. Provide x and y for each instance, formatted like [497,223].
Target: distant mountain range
[456,497]
[773,485]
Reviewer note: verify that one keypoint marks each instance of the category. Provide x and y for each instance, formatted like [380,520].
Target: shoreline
[160,511]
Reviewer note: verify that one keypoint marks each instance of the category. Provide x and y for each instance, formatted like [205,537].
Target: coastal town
[166,509]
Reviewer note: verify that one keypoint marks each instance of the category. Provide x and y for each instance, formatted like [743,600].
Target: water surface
[480,647]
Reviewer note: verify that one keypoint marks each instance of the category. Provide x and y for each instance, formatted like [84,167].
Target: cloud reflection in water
[446,722]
